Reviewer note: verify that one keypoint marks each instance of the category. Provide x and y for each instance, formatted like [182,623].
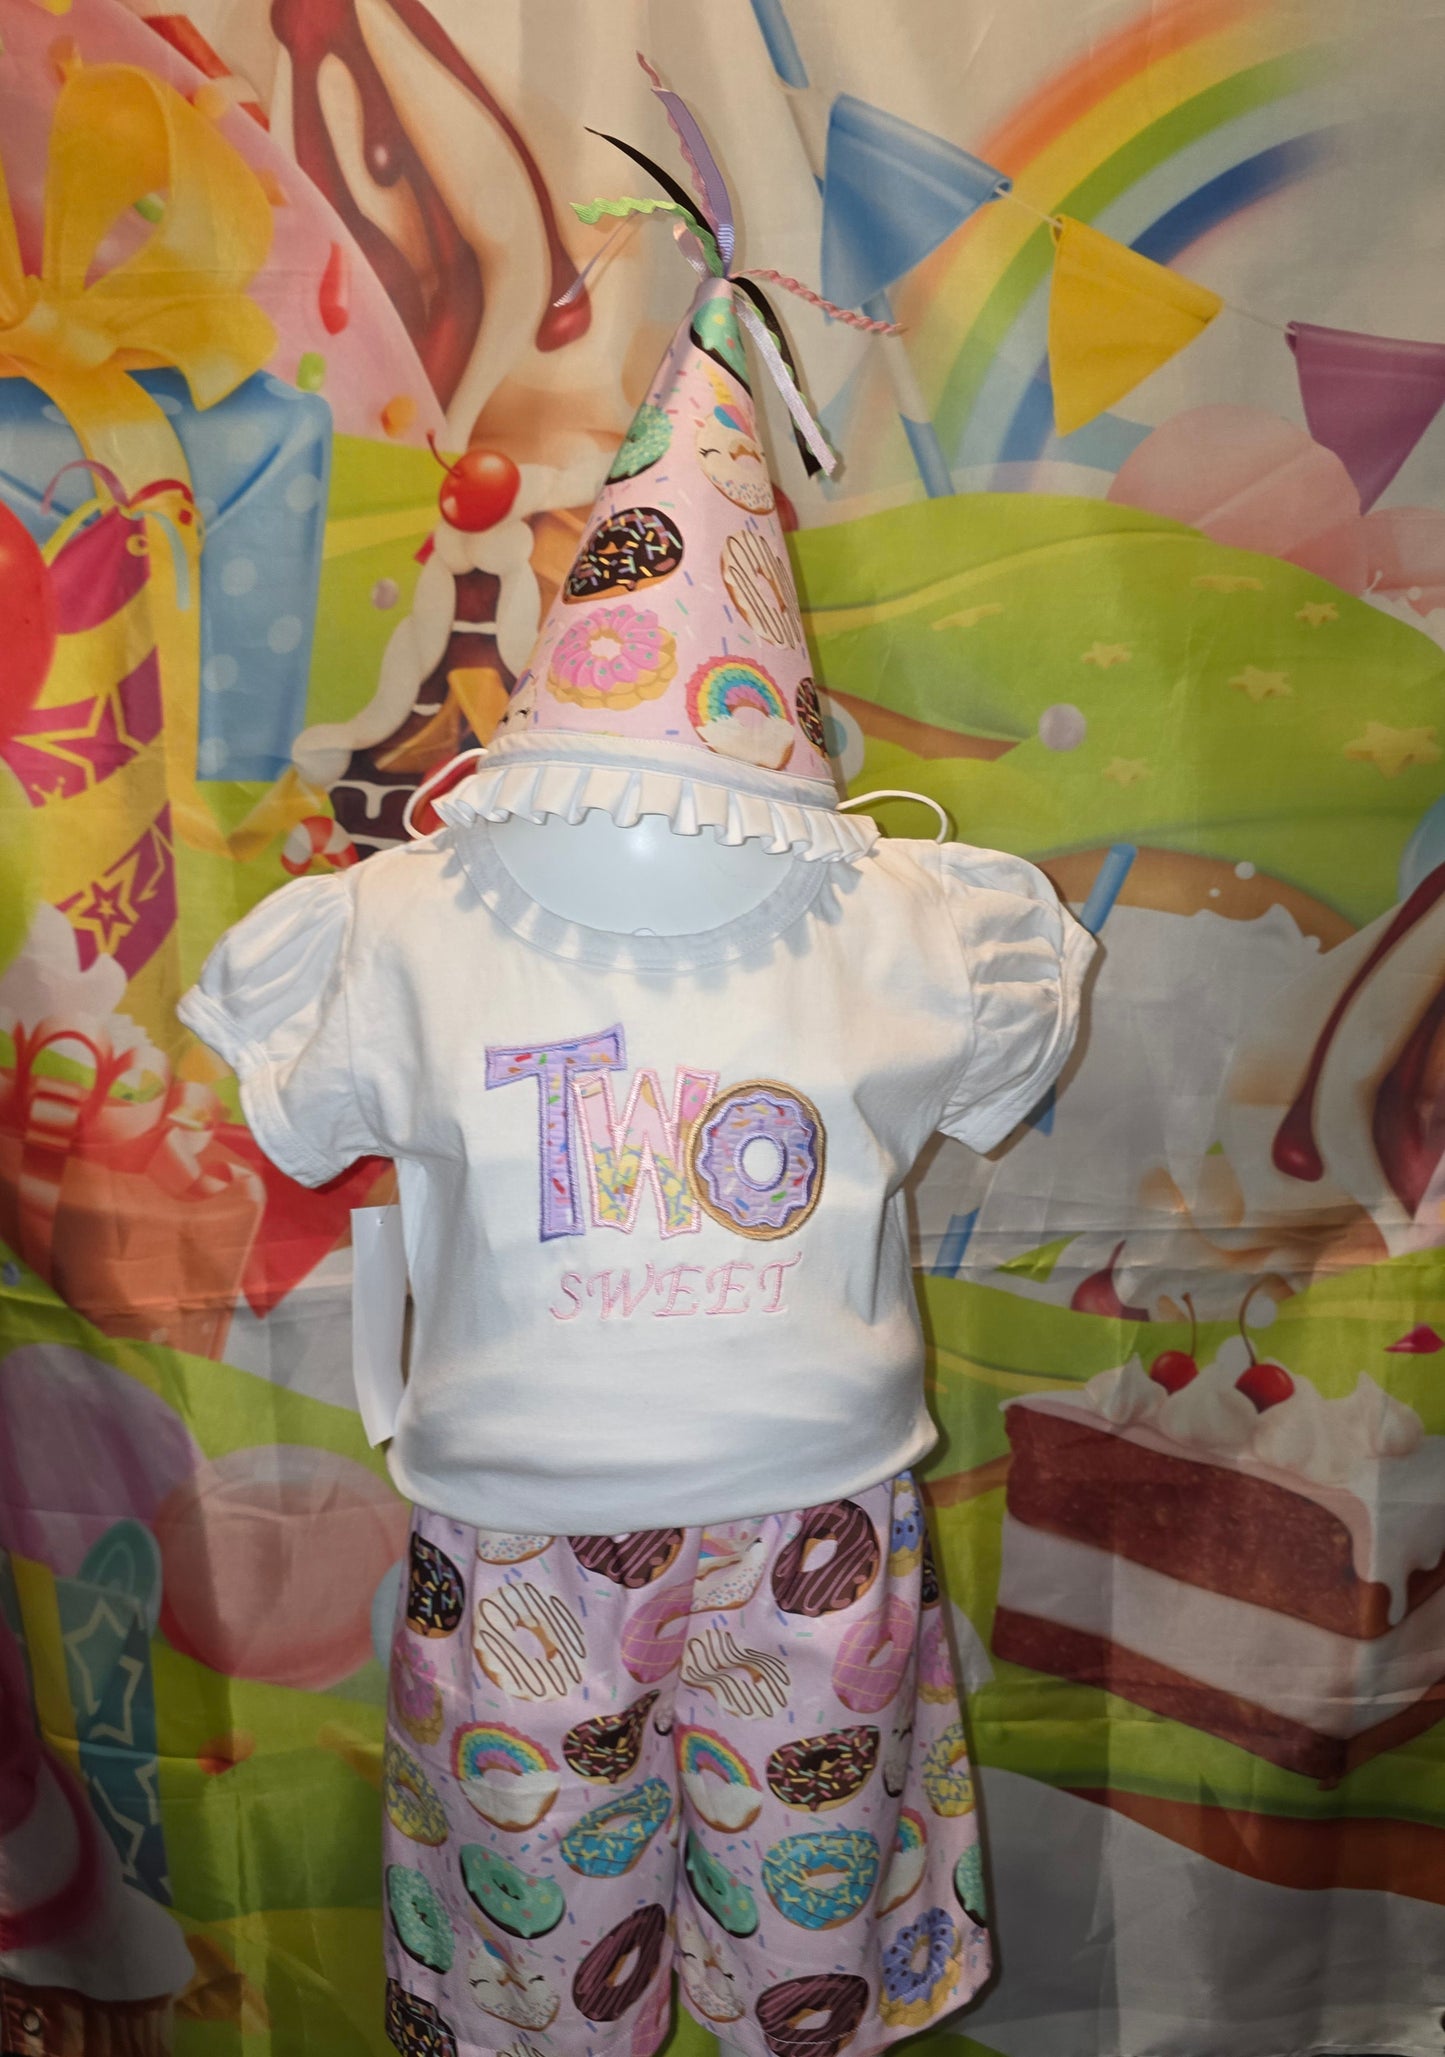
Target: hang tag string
[902,793]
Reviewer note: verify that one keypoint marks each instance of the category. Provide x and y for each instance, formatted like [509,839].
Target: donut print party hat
[671,675]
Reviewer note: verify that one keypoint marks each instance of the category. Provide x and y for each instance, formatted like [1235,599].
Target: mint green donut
[522,1906]
[423,1926]
[726,1898]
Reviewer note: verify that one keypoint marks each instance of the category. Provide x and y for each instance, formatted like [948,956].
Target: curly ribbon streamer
[707,179]
[707,239]
[179,300]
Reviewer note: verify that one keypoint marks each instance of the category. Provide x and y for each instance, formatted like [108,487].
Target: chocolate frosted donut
[847,1571]
[785,2014]
[809,710]
[929,1592]
[414,2025]
[596,1990]
[630,1561]
[435,1595]
[623,552]
[606,1748]
[819,1772]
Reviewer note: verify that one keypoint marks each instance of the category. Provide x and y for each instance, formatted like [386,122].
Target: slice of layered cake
[1239,1553]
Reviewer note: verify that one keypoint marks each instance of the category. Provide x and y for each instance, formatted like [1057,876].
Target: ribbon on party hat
[706,233]
[117,135]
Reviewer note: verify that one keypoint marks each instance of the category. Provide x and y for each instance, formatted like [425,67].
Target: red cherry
[1098,1294]
[1265,1384]
[478,490]
[27,607]
[1173,1369]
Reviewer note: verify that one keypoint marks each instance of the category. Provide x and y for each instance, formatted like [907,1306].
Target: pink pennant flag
[1368,398]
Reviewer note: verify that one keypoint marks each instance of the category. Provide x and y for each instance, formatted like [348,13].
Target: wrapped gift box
[260,463]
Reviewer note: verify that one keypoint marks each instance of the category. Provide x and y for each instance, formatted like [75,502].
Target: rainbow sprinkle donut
[765,1199]
[821,1880]
[510,1780]
[947,1779]
[719,1784]
[738,711]
[410,1799]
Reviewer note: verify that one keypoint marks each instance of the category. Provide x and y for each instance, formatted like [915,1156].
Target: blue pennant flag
[891,194]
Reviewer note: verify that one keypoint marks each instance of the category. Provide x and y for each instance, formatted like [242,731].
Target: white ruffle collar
[571,775]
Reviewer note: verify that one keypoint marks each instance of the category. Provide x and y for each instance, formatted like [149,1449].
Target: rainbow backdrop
[1182,120]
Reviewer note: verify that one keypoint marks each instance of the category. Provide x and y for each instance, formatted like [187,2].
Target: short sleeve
[1024,958]
[271,1000]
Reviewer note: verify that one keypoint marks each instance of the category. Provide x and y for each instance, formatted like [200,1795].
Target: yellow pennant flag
[1114,317]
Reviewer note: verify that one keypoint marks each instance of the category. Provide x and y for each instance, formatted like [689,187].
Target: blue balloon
[891,194]
[1425,851]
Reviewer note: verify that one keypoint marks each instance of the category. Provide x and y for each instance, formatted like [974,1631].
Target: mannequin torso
[643,880]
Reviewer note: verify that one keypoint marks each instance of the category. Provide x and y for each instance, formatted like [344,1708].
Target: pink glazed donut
[653,1636]
[873,1657]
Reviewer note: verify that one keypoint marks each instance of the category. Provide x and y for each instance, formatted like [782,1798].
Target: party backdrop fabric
[1135,560]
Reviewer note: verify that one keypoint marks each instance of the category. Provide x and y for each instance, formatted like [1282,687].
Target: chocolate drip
[1409,1119]
[370,797]
[443,309]
[1296,1151]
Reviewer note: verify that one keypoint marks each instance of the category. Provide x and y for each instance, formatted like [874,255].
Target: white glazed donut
[707,1982]
[529,1643]
[505,1982]
[749,1683]
[496,1547]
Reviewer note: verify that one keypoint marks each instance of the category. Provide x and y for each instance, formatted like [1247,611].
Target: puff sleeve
[1024,960]
[271,1000]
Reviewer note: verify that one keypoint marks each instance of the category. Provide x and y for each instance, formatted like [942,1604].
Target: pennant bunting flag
[891,194]
[1114,317]
[1368,398]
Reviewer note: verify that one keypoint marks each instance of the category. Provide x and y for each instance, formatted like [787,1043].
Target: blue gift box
[260,466]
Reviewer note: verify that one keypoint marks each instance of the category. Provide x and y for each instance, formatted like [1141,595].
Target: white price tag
[378,1317]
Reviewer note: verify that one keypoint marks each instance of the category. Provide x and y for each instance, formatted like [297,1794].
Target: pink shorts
[735,1751]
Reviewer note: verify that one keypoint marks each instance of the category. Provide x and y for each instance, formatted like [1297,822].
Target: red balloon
[27,608]
[479,490]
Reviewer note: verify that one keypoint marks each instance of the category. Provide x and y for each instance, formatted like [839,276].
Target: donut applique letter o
[756,1159]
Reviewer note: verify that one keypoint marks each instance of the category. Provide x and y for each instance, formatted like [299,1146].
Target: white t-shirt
[652,1188]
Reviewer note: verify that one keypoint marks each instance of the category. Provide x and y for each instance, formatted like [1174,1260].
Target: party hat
[671,674]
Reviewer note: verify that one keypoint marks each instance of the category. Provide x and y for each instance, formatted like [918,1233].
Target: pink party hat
[671,674]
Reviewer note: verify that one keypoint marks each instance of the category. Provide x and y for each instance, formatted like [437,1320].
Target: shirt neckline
[611,949]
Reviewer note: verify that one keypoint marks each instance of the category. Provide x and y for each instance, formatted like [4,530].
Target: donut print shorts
[734,1752]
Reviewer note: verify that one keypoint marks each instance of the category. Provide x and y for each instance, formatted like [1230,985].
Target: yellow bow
[82,325]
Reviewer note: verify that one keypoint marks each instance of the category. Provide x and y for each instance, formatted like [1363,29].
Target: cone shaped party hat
[671,674]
